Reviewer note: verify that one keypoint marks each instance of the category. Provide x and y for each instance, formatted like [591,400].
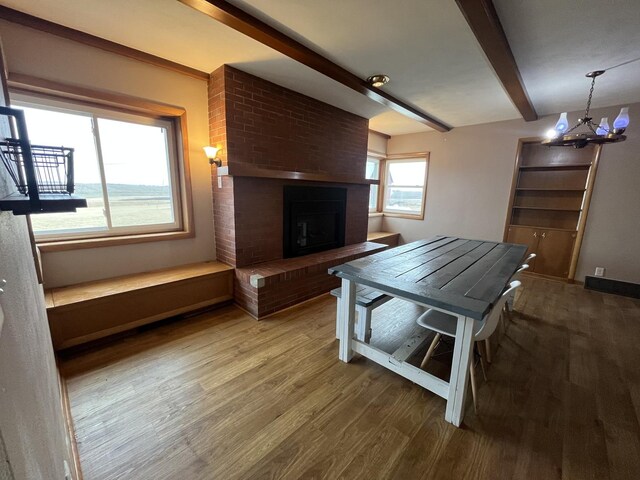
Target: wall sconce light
[212,153]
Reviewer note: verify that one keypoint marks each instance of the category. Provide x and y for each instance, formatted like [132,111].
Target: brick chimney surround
[271,137]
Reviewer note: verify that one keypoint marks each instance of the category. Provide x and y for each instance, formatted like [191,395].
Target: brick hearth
[263,127]
[267,287]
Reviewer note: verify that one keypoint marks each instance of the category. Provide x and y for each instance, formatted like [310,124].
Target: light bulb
[563,124]
[551,133]
[603,128]
[622,120]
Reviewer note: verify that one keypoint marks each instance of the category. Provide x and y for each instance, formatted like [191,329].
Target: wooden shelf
[550,189]
[543,228]
[549,208]
[556,167]
[245,170]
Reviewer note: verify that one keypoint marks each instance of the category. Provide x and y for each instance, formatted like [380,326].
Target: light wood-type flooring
[222,396]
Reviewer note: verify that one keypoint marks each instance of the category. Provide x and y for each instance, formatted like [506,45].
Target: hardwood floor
[223,396]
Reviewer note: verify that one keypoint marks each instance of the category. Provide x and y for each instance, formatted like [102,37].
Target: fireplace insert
[314,219]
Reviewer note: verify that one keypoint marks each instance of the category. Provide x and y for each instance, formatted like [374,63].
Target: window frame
[389,160]
[381,165]
[39,92]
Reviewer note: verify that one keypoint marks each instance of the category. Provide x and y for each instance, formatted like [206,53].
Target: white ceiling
[425,46]
[556,43]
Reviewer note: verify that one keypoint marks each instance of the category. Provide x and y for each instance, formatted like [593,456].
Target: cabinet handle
[544,234]
[535,234]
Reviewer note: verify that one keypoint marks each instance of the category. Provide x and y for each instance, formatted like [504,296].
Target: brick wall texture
[264,125]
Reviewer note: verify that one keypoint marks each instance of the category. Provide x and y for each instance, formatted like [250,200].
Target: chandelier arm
[571,129]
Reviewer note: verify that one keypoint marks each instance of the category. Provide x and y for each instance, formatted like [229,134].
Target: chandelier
[563,136]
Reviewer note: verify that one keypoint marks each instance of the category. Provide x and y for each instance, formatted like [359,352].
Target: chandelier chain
[593,84]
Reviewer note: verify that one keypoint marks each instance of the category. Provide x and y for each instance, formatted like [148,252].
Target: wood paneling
[550,193]
[553,179]
[536,154]
[524,236]
[546,218]
[21,18]
[554,252]
[570,200]
[483,19]
[236,18]
[85,312]
[222,396]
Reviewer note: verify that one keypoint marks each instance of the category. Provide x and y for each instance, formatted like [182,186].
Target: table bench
[91,310]
[366,300]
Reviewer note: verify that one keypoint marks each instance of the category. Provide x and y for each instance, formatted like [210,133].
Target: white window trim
[413,157]
[178,168]
[376,157]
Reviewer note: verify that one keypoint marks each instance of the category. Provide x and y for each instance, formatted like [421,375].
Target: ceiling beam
[239,20]
[483,19]
[21,18]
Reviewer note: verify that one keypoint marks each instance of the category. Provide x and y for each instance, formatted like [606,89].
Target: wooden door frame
[586,201]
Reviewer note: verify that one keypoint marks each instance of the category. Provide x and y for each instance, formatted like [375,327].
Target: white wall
[470,174]
[31,420]
[39,54]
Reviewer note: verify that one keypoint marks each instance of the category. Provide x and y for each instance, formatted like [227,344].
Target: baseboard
[71,431]
[608,285]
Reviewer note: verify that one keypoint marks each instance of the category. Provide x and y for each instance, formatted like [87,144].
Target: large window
[405,183]
[126,166]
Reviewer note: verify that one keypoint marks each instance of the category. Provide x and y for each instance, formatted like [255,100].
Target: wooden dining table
[461,277]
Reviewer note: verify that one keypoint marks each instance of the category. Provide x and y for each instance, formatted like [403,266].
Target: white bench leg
[364,323]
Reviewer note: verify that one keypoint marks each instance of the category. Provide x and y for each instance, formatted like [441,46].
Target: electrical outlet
[599,272]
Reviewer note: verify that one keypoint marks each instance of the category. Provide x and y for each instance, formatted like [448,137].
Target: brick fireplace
[274,141]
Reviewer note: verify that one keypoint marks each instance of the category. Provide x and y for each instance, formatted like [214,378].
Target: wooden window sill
[78,244]
[396,215]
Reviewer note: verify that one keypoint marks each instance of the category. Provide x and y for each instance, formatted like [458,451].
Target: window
[126,166]
[405,186]
[373,173]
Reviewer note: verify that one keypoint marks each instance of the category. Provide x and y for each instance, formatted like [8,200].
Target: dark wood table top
[455,274]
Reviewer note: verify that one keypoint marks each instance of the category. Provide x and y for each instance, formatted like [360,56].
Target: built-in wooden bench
[388,238]
[366,300]
[88,311]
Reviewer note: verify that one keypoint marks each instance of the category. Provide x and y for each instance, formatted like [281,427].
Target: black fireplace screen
[314,219]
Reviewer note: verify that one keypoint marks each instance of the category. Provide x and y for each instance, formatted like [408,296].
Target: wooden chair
[444,324]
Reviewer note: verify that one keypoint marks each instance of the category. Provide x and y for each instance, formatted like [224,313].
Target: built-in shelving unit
[549,198]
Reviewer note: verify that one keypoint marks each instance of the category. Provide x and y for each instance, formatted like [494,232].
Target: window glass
[405,183]
[373,173]
[58,128]
[125,167]
[136,168]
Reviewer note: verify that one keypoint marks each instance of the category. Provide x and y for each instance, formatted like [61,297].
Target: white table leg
[459,370]
[338,313]
[347,319]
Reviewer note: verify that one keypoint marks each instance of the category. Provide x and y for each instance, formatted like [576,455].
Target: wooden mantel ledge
[244,170]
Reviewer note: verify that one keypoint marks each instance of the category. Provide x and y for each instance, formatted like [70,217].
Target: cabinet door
[554,252]
[525,236]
